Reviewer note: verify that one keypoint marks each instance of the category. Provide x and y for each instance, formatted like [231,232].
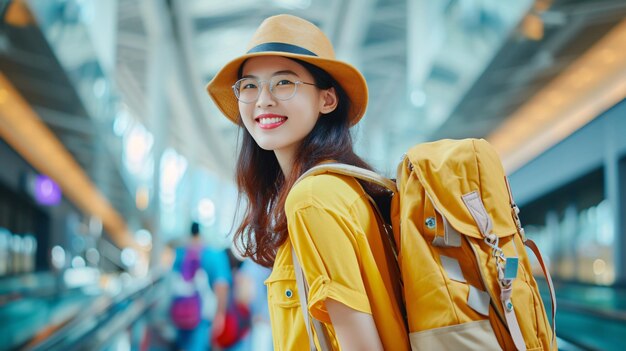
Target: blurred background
[110,146]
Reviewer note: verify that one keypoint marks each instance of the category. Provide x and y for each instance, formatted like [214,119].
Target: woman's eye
[284,82]
[248,86]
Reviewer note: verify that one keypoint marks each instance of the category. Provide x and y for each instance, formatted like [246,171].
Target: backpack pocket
[477,335]
[185,311]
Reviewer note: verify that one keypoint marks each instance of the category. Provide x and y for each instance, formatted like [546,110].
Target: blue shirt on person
[215,263]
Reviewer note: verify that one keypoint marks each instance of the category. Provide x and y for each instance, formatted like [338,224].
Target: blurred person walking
[200,284]
[250,289]
[235,335]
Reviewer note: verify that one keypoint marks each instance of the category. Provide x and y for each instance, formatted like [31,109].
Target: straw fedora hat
[291,37]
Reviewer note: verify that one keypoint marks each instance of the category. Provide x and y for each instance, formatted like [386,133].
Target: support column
[615,193]
[159,47]
[620,221]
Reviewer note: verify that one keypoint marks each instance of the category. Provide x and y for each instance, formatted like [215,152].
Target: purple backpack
[186,307]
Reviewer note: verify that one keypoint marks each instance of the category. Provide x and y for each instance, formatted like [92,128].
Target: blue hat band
[281,47]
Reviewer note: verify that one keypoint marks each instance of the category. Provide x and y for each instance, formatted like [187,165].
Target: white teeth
[270,120]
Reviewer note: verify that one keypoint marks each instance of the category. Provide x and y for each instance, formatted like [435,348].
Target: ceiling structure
[29,62]
[435,69]
[522,66]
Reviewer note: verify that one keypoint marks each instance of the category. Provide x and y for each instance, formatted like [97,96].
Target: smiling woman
[295,103]
[296,114]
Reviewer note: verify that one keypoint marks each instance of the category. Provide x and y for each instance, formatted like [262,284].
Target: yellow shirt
[334,232]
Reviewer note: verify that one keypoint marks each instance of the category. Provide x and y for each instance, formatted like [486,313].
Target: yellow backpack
[467,280]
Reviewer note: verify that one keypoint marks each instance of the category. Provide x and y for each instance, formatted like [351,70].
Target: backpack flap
[451,172]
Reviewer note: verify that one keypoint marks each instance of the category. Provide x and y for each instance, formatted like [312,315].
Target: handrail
[565,288]
[569,305]
[27,284]
[570,344]
[103,310]
[606,306]
[577,283]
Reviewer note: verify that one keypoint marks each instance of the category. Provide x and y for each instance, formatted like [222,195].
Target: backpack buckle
[518,223]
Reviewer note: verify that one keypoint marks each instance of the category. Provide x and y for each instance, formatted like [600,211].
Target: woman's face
[281,125]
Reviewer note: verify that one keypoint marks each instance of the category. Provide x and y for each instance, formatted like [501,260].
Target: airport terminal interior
[110,146]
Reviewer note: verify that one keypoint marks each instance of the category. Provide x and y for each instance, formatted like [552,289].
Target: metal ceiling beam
[65,121]
[132,91]
[27,58]
[354,23]
[392,15]
[132,40]
[217,158]
[423,37]
[41,85]
[203,8]
[128,11]
[598,10]
[380,52]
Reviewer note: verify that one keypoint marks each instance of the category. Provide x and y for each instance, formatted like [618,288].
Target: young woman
[296,103]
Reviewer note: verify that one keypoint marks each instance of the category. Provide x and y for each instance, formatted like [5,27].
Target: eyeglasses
[247,90]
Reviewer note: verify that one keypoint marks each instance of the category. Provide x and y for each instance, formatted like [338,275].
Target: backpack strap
[303,292]
[352,171]
[368,176]
[191,262]
[476,207]
[533,247]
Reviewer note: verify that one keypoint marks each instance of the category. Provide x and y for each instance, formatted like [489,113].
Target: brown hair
[261,181]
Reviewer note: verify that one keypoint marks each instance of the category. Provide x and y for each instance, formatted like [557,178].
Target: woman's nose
[265,96]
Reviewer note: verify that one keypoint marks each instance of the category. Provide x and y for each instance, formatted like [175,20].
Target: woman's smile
[270,120]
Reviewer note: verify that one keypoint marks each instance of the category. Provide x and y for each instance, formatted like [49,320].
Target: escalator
[589,317]
[47,314]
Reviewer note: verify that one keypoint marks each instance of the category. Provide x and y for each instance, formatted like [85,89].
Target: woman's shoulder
[325,190]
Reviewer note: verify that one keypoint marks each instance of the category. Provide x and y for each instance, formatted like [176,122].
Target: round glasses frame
[271,86]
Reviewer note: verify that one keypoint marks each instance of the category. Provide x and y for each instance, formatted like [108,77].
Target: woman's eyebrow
[285,72]
[278,73]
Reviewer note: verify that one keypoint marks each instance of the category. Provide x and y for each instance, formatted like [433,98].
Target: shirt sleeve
[327,248]
[216,264]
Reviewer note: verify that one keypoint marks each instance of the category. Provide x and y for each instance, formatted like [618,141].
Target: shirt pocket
[282,288]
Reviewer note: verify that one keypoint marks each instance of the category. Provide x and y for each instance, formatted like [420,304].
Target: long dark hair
[261,181]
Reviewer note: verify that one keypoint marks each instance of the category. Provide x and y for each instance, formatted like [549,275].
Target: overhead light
[99,87]
[542,5]
[78,262]
[93,256]
[142,197]
[128,257]
[18,14]
[144,238]
[58,257]
[418,98]
[206,211]
[122,121]
[46,191]
[532,27]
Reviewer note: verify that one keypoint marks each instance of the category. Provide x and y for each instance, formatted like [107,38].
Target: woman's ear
[328,101]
